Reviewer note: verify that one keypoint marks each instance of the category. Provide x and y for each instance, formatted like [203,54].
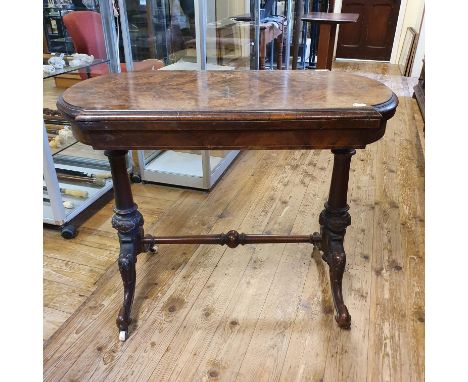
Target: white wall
[399,27]
[413,16]
[420,51]
[338,4]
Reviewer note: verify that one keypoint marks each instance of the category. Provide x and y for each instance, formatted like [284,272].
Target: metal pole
[200,32]
[257,33]
[298,11]
[127,46]
[272,48]
[206,169]
[305,26]
[149,22]
[287,49]
[313,37]
[255,51]
[50,177]
[158,19]
[110,35]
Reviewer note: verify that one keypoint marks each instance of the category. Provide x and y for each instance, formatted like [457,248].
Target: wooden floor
[256,312]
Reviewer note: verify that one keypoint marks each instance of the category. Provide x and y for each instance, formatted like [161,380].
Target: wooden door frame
[399,26]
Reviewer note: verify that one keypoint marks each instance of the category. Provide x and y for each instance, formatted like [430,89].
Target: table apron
[229,139]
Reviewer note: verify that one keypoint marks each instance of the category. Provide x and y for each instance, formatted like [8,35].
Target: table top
[170,94]
[331,18]
[177,102]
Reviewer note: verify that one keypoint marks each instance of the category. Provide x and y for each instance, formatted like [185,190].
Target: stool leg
[326,45]
[333,222]
[128,222]
[262,51]
[279,52]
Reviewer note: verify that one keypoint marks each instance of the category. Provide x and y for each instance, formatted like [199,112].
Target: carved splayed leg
[333,222]
[128,222]
[333,225]
[129,225]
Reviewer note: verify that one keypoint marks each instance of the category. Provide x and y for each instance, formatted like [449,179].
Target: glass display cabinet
[145,35]
[75,175]
[190,35]
[55,33]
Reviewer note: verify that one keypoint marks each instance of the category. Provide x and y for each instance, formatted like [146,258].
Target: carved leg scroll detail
[333,222]
[128,274]
[333,228]
[129,225]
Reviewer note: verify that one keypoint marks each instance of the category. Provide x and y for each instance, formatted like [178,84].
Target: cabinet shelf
[71,69]
[79,205]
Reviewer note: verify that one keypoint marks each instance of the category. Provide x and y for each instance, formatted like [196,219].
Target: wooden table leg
[279,52]
[326,45]
[128,222]
[333,222]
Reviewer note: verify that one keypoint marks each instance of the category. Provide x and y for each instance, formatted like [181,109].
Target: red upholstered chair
[85,29]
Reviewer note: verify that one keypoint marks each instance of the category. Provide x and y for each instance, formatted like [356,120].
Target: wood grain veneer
[228,110]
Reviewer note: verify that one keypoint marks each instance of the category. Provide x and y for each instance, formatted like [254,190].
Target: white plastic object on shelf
[68,204]
[57,61]
[49,69]
[81,59]
[74,62]
[65,135]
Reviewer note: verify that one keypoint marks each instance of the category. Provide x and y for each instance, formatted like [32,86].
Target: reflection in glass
[229,33]
[162,29]
[187,35]
[167,30]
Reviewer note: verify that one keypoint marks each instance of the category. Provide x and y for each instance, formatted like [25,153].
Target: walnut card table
[229,110]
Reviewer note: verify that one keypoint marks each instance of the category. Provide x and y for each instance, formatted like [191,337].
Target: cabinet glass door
[75,175]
